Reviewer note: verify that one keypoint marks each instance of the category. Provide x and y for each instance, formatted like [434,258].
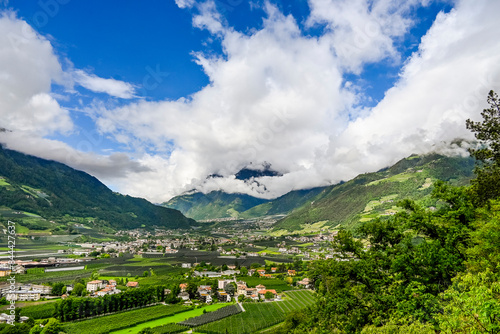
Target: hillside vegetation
[347,204]
[373,195]
[283,204]
[423,270]
[216,204]
[53,190]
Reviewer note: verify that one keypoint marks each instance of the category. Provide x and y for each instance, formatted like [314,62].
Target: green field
[374,203]
[40,311]
[4,183]
[178,317]
[169,328]
[258,316]
[270,283]
[395,178]
[106,324]
[58,276]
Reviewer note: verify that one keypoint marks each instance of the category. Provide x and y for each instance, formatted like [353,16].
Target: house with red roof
[133,284]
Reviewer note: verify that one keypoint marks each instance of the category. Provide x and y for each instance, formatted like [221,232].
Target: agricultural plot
[259,315]
[395,178]
[169,329]
[59,276]
[270,283]
[212,316]
[106,324]
[172,319]
[40,311]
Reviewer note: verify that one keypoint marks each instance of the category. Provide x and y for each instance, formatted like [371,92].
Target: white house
[23,295]
[93,286]
[223,282]
[184,296]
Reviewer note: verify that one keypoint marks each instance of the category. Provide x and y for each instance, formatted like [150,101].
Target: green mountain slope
[53,191]
[375,194]
[284,204]
[216,204]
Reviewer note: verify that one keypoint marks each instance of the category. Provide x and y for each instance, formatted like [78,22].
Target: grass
[4,183]
[178,317]
[395,178]
[22,229]
[40,311]
[374,203]
[57,276]
[304,229]
[169,328]
[270,283]
[427,184]
[279,233]
[269,251]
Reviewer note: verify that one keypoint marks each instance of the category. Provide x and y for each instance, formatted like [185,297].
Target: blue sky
[152,97]
[127,40]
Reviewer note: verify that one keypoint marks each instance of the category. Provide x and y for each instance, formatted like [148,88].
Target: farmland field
[58,276]
[169,328]
[178,317]
[212,316]
[259,315]
[40,311]
[270,283]
[106,324]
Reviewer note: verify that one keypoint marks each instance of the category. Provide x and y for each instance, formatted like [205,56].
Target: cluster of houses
[5,318]
[34,292]
[136,246]
[262,272]
[99,288]
[24,292]
[143,245]
[214,274]
[256,293]
[20,266]
[206,295]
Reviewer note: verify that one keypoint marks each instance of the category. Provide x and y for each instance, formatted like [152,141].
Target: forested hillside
[347,204]
[372,195]
[423,270]
[216,204]
[283,204]
[53,190]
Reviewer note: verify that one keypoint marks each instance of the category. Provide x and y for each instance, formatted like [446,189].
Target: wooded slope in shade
[52,190]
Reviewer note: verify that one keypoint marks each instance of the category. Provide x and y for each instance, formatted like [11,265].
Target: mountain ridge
[53,190]
[372,195]
[212,206]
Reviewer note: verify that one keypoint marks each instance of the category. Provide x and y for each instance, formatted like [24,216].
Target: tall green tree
[486,186]
[78,289]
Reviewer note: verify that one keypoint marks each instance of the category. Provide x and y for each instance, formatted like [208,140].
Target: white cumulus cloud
[276,95]
[280,97]
[28,67]
[97,84]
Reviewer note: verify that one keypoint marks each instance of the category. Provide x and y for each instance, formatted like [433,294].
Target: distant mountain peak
[252,171]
